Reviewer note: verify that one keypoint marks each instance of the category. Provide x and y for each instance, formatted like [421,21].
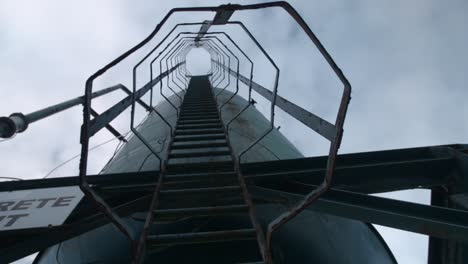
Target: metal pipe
[19,122]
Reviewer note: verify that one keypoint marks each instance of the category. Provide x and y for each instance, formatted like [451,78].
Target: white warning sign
[38,207]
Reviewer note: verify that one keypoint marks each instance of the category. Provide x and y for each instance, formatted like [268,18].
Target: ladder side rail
[85,131]
[134,130]
[237,75]
[268,130]
[141,244]
[96,199]
[282,219]
[335,143]
[246,195]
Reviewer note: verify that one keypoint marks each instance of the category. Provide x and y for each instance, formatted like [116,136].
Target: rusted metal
[316,123]
[110,128]
[104,118]
[273,101]
[423,219]
[238,69]
[246,195]
[227,9]
[203,29]
[222,16]
[251,70]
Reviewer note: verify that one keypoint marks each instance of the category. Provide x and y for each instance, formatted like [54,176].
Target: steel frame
[276,182]
[304,186]
[89,128]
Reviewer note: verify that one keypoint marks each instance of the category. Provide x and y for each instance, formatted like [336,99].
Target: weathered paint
[310,237]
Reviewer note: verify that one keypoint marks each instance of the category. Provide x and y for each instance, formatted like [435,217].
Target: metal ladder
[202,172]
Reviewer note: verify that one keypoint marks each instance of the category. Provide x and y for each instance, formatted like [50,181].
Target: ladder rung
[204,105]
[198,106]
[202,237]
[201,211]
[201,167]
[199,131]
[197,117]
[191,112]
[199,126]
[203,191]
[202,144]
[193,101]
[199,154]
[202,149]
[189,99]
[198,111]
[200,176]
[189,115]
[199,121]
[199,137]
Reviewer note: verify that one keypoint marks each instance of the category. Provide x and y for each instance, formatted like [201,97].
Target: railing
[174,69]
[332,132]
[19,122]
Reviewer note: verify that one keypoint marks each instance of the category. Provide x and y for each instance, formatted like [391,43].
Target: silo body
[309,238]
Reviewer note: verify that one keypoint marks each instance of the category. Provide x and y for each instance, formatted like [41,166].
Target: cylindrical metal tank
[310,238]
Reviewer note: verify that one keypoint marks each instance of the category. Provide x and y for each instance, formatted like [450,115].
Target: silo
[310,238]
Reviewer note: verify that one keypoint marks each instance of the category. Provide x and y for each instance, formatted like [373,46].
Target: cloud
[405,60]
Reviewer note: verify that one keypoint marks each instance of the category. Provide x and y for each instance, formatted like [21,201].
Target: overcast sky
[406,61]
